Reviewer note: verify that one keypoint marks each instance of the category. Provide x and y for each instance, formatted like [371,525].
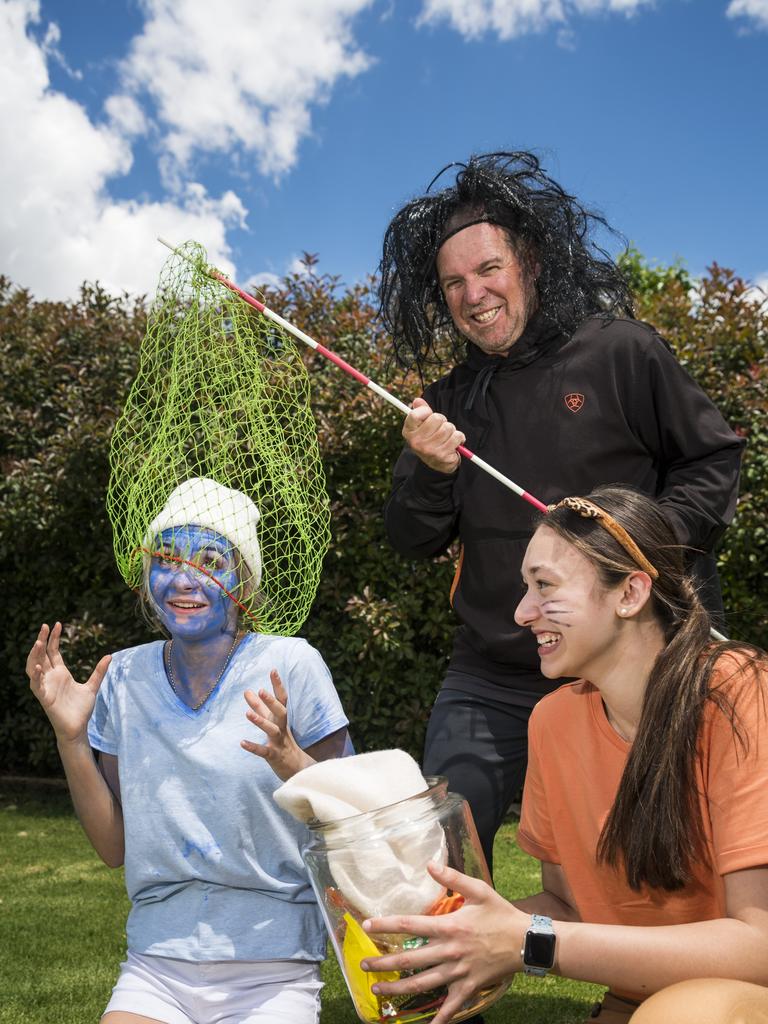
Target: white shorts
[218,992]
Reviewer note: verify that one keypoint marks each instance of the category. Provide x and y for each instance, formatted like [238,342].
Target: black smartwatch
[538,950]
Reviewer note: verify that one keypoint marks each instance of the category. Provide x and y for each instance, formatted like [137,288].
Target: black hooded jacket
[560,416]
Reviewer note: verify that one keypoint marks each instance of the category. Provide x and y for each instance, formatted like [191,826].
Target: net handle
[355,373]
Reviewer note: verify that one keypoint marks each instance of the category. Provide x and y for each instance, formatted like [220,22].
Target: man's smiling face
[490,293]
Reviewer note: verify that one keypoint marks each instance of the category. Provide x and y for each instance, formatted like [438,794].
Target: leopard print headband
[589,510]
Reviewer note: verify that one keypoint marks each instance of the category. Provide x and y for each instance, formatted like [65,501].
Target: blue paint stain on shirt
[189,849]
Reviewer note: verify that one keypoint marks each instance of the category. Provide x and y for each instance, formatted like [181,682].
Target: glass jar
[374,865]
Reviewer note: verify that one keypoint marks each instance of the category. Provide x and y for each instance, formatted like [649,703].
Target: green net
[217,422]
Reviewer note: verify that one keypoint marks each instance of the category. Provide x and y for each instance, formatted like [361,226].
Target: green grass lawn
[62,916]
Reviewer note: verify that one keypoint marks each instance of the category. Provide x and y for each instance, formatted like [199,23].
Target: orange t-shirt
[576,760]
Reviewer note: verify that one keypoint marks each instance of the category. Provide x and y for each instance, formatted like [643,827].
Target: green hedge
[382,622]
[70,367]
[720,334]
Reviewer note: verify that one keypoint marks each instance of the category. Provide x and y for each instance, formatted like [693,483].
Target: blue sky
[264,128]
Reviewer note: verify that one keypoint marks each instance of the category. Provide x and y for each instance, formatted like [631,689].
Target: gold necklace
[172,681]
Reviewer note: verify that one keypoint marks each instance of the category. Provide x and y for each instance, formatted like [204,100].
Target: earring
[623,611]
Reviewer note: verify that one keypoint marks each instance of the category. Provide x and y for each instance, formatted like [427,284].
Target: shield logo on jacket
[574,401]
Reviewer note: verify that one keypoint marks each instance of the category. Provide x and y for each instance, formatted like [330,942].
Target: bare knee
[706,1001]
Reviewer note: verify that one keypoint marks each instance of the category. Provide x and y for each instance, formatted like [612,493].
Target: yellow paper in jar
[356,947]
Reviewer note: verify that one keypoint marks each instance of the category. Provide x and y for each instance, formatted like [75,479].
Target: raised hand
[432,437]
[270,713]
[67,703]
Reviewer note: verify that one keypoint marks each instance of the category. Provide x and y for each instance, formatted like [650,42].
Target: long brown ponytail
[654,829]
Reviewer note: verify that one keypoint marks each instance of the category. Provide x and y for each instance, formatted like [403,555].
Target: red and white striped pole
[360,377]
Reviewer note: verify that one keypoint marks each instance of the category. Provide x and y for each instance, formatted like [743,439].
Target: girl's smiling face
[188,582]
[573,617]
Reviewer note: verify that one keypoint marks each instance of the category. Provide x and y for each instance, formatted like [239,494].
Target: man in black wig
[556,386]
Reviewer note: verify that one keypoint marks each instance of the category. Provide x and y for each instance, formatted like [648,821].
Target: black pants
[481,746]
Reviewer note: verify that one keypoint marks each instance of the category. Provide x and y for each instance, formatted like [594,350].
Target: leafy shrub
[70,366]
[719,331]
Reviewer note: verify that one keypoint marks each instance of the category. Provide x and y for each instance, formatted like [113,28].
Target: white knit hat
[202,502]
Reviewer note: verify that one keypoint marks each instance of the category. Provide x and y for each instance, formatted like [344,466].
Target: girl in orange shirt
[646,798]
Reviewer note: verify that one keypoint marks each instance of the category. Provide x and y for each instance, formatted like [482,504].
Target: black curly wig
[544,224]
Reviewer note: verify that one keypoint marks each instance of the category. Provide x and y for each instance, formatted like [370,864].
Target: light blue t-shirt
[212,865]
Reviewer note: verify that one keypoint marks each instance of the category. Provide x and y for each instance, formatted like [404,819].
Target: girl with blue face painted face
[192,586]
[223,923]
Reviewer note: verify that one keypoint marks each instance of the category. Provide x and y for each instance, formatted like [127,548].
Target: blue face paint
[189,581]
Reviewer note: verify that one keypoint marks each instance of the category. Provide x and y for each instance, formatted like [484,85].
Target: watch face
[539,950]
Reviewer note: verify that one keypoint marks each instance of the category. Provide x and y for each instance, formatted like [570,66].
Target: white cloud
[507,19]
[242,82]
[269,279]
[126,115]
[297,266]
[58,225]
[265,279]
[758,291]
[51,49]
[757,10]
